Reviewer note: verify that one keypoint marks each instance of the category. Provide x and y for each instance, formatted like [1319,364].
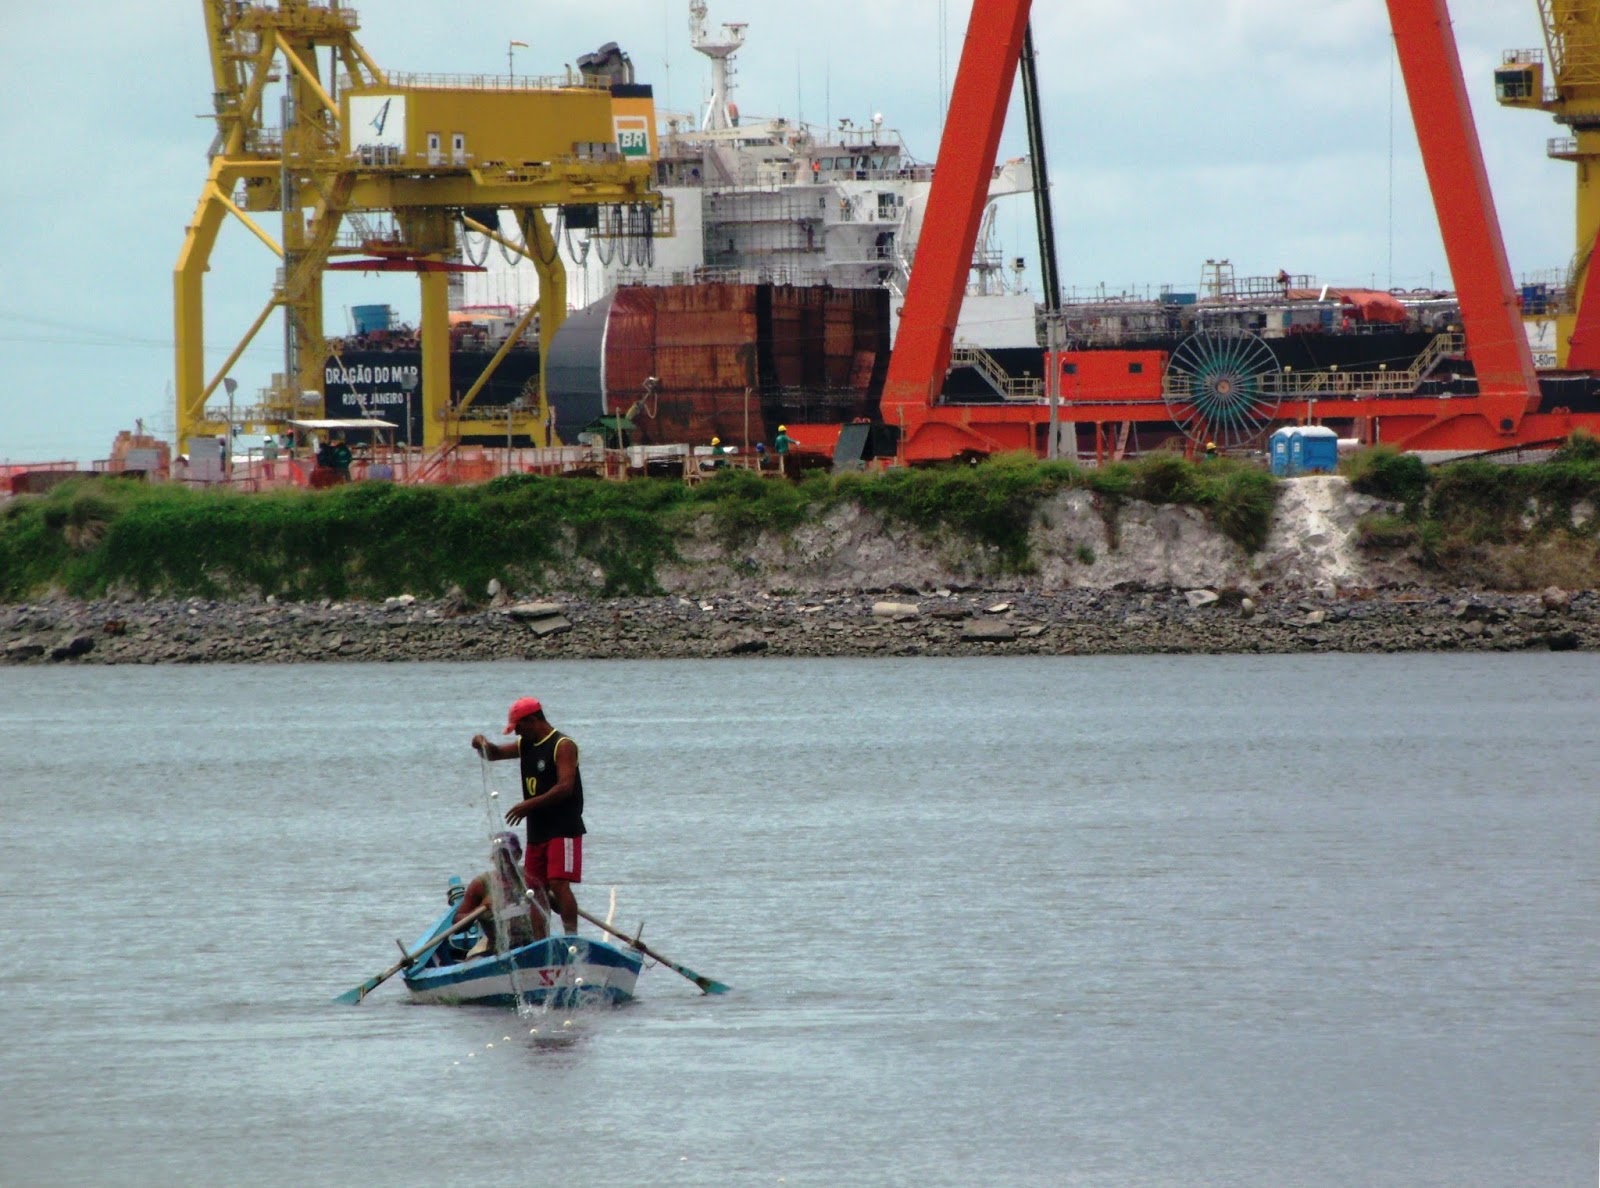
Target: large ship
[757,271]
[777,294]
[772,201]
[770,280]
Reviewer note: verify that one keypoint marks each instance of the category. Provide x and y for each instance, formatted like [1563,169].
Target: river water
[1113,921]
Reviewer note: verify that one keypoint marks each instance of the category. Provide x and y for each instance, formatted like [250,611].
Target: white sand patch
[1312,544]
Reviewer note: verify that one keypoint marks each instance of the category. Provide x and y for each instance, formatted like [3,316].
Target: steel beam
[1453,158]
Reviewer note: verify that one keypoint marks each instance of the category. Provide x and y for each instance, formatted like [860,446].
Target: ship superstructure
[775,201]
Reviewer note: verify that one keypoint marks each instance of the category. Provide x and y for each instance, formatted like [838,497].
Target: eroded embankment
[1101,576]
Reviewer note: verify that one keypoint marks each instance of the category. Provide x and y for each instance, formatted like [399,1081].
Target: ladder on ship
[435,466]
[1005,385]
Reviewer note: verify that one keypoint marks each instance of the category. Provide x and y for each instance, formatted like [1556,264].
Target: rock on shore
[1105,579]
[899,622]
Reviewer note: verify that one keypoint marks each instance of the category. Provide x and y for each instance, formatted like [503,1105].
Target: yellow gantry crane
[387,168]
[1564,79]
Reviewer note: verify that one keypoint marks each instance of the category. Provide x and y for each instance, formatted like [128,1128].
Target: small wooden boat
[559,971]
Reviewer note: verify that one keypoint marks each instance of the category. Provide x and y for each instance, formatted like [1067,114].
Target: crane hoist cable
[508,247]
[479,259]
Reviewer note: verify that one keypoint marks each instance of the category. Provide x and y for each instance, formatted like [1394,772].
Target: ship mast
[720,50]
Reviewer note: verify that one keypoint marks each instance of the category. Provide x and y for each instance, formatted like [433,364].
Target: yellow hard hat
[783,428]
[716,441]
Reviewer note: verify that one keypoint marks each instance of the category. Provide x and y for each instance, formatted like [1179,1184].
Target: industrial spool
[1220,386]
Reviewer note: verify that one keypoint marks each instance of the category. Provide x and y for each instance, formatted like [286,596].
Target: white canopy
[350,424]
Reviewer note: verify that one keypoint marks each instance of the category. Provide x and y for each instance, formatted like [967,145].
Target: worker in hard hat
[1211,450]
[718,453]
[780,446]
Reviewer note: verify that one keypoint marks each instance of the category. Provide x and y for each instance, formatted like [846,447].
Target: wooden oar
[356,993]
[709,985]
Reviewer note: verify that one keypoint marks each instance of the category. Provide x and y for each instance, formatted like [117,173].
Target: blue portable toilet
[1304,449]
[1278,451]
[1319,450]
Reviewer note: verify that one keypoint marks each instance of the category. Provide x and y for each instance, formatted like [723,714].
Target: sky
[1271,133]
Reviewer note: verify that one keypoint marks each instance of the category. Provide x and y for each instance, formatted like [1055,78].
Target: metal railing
[1401,381]
[1007,386]
[489,82]
[722,276]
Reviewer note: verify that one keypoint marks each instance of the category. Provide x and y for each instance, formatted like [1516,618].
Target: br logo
[633,136]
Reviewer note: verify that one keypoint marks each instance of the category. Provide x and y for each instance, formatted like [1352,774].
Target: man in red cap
[552,804]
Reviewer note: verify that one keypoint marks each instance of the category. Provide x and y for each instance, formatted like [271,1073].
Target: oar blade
[354,995]
[709,985]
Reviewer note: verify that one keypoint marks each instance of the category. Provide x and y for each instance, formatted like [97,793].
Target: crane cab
[1519,79]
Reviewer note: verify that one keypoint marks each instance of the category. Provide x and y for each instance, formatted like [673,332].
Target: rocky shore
[894,622]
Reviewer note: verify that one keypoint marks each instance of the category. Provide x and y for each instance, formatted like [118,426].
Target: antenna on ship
[720,50]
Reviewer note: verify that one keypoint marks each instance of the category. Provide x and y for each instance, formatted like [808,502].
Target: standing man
[552,804]
[780,446]
[341,459]
[269,457]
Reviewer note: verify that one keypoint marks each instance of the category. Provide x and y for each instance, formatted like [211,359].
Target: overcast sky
[1257,130]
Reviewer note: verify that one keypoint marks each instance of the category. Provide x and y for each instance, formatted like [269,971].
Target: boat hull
[560,971]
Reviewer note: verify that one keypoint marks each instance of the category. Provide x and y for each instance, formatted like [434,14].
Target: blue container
[372,319]
[1278,451]
[1303,449]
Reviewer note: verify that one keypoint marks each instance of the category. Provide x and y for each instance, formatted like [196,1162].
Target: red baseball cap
[521,708]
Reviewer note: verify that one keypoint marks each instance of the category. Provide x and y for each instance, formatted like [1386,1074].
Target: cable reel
[1218,387]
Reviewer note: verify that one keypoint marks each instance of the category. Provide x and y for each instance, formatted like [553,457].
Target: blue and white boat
[559,971]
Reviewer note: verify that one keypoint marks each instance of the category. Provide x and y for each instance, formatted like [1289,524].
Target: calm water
[1153,921]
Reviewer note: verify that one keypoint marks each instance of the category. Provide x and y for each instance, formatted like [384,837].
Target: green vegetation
[1510,527]
[1386,473]
[1380,530]
[370,540]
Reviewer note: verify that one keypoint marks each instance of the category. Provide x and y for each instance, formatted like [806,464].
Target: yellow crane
[1563,79]
[387,167]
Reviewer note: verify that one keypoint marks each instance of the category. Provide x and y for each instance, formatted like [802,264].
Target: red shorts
[558,858]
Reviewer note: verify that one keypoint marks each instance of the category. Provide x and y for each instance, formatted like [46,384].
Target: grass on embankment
[88,538]
[1483,524]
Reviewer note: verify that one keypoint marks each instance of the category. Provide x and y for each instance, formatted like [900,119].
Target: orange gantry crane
[1507,409]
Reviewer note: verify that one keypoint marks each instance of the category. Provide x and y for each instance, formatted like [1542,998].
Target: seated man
[512,915]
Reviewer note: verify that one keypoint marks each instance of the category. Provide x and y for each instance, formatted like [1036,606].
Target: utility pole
[227,456]
[1052,379]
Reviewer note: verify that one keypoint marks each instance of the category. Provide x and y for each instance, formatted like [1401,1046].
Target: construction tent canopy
[352,425]
[356,430]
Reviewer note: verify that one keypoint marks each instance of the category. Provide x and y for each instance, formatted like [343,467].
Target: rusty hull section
[736,361]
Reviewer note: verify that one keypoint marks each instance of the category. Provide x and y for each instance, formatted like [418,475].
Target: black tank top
[539,775]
